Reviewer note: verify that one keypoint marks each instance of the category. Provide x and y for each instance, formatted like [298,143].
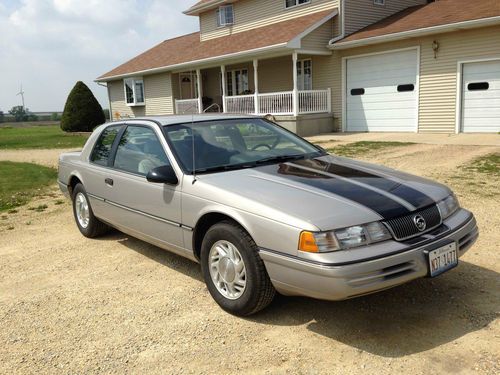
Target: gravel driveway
[118,305]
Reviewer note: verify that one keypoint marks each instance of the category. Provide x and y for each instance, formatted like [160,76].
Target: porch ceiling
[190,50]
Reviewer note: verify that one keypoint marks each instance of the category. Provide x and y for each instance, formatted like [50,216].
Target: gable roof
[430,17]
[189,49]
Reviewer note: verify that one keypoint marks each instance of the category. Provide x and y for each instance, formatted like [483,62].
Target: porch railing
[275,103]
[314,101]
[240,104]
[187,106]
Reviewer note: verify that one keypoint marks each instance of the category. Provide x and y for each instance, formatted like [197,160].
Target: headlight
[448,206]
[341,239]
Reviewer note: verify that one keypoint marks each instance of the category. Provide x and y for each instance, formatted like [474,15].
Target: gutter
[196,10]
[483,22]
[274,47]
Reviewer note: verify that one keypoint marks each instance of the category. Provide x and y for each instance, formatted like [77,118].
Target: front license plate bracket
[442,259]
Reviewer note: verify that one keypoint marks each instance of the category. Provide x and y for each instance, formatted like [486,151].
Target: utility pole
[21,92]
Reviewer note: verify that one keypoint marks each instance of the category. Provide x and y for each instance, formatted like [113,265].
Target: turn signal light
[307,243]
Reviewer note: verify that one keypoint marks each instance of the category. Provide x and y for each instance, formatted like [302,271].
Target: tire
[88,224]
[220,262]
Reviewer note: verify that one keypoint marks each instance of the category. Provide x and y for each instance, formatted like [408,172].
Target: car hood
[328,192]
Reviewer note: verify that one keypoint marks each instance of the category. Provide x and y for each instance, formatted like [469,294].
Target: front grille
[404,227]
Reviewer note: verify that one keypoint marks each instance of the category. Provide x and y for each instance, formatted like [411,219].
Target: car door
[147,210]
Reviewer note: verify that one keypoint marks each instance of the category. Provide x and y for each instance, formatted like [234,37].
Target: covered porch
[279,86]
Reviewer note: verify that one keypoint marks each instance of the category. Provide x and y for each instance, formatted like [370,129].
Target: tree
[1,116]
[19,113]
[82,112]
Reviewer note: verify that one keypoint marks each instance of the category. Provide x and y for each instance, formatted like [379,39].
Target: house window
[134,91]
[294,3]
[379,2]
[237,82]
[304,74]
[225,15]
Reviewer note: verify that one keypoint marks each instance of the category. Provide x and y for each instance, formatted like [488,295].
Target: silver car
[263,210]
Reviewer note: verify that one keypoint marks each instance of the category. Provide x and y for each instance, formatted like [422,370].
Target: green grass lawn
[48,136]
[489,164]
[19,182]
[363,147]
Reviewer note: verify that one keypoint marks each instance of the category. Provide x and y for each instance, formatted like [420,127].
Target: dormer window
[294,3]
[225,15]
[379,2]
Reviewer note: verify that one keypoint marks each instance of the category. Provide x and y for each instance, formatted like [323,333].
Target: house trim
[483,22]
[296,42]
[344,81]
[459,102]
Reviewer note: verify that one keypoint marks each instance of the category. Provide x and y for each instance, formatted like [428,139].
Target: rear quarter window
[102,149]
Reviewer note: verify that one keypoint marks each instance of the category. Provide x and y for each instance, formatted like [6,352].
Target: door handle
[109,181]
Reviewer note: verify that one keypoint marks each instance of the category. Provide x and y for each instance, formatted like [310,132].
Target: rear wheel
[87,223]
[233,270]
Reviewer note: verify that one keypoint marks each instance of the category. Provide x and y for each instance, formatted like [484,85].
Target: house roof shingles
[440,12]
[188,48]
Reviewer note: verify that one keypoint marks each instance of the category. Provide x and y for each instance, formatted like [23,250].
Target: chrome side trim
[169,222]
[95,197]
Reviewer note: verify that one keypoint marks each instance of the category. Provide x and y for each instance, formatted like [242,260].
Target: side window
[139,151]
[102,148]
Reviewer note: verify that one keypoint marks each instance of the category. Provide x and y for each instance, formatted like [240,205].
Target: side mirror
[163,175]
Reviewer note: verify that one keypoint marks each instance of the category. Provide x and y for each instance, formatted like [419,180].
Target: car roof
[180,119]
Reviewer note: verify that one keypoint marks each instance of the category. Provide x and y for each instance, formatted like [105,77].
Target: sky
[49,45]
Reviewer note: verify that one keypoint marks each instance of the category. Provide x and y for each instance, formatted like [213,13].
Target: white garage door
[481,97]
[382,92]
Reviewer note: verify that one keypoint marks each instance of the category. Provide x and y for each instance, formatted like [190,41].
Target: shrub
[82,112]
[55,116]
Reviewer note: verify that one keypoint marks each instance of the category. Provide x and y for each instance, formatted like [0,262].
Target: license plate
[443,259]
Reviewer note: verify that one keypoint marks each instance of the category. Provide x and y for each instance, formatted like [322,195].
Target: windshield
[233,144]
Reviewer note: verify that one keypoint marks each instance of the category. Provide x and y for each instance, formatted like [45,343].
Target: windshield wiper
[222,168]
[281,158]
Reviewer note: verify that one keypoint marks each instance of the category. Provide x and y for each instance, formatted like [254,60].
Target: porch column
[256,85]
[200,90]
[295,94]
[224,88]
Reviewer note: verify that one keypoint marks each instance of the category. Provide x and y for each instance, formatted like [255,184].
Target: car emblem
[419,222]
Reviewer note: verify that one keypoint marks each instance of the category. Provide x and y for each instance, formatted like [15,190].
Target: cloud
[48,45]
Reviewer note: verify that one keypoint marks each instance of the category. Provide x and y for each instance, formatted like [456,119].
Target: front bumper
[297,276]
[64,188]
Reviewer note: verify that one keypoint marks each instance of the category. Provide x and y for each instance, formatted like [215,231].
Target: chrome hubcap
[227,269]
[82,210]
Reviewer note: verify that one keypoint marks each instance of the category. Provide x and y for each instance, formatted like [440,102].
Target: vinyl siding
[438,77]
[158,97]
[250,14]
[319,38]
[361,13]
[276,74]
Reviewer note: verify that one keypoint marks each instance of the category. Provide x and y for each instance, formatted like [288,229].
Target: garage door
[481,97]
[382,92]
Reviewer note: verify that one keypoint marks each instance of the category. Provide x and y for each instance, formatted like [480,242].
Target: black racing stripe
[384,206]
[407,193]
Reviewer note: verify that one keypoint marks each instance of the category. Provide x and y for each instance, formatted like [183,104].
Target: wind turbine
[21,92]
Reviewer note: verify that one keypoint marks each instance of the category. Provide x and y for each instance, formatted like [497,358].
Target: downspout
[109,99]
[342,21]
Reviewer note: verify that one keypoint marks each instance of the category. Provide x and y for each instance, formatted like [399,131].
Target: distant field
[38,136]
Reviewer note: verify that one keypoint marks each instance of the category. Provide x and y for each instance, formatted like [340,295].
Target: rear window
[102,149]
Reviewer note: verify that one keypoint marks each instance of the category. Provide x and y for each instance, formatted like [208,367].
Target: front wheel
[233,270]
[87,223]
